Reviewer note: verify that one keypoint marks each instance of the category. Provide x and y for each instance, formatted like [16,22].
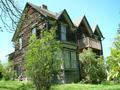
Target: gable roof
[77,23]
[98,31]
[65,14]
[45,13]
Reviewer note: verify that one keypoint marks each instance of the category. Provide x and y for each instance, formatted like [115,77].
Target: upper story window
[96,37]
[63,32]
[36,32]
[21,42]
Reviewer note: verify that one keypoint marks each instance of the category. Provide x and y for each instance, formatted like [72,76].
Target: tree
[113,61]
[8,71]
[1,70]
[10,13]
[43,59]
[92,67]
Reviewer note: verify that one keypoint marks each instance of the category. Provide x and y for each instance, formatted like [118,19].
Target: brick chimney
[44,6]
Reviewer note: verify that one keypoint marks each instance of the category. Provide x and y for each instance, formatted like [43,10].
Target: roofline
[67,15]
[84,17]
[97,27]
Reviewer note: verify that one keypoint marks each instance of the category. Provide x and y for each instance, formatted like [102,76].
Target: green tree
[8,71]
[1,70]
[92,67]
[113,61]
[43,59]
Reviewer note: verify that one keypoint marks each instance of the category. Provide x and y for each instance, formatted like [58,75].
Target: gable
[85,23]
[64,16]
[17,31]
[28,10]
[97,32]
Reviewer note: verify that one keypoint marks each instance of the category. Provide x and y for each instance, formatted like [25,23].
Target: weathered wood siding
[89,42]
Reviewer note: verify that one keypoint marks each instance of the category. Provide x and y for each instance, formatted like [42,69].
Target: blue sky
[105,13]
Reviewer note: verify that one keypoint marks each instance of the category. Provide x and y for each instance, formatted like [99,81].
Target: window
[21,42]
[36,32]
[67,59]
[18,69]
[70,60]
[73,60]
[63,32]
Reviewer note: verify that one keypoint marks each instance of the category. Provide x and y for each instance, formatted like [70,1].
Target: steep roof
[45,13]
[78,22]
[98,31]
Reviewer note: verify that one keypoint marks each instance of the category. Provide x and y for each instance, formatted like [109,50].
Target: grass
[86,87]
[16,85]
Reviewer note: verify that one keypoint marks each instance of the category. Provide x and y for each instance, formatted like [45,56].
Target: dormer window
[63,32]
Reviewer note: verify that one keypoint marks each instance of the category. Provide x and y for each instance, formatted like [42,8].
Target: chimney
[44,6]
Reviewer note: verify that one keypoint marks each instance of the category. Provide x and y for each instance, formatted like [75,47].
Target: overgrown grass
[18,85]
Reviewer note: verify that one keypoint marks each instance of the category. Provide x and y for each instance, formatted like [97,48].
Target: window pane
[67,59]
[34,31]
[73,60]
[20,43]
[63,32]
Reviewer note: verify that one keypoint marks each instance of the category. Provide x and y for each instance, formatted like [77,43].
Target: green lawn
[15,85]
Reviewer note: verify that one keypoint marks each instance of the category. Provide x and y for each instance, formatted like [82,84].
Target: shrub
[1,70]
[43,59]
[92,67]
[8,72]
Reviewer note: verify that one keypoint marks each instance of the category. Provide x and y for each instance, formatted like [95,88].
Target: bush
[92,67]
[8,72]
[43,59]
[1,70]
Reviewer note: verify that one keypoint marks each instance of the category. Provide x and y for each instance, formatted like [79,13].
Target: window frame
[63,31]
[37,32]
[70,59]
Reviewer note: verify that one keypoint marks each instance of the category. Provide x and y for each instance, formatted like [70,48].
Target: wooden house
[75,36]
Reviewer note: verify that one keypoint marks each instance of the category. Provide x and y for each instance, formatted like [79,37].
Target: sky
[105,13]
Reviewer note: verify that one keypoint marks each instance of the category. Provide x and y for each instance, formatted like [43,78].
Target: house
[75,36]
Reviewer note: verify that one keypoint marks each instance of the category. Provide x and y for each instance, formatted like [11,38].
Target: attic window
[96,37]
